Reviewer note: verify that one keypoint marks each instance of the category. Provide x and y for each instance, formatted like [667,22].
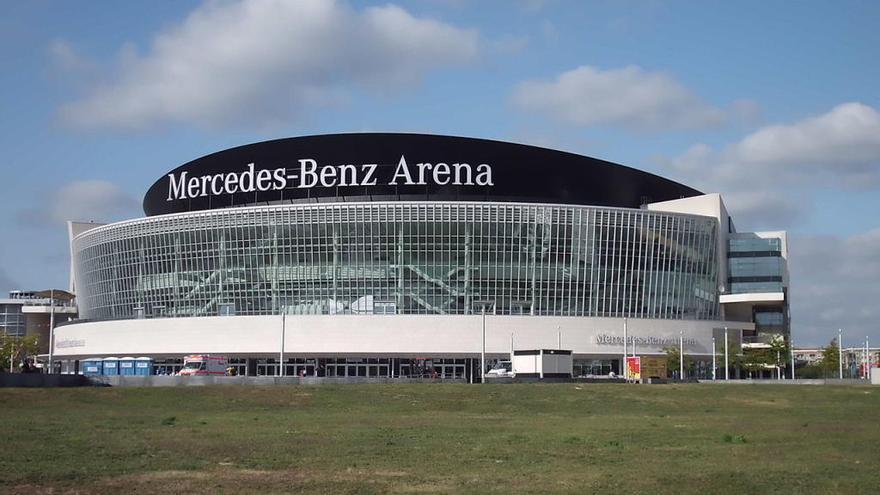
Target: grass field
[439,438]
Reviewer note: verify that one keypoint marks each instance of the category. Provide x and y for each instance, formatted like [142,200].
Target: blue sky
[774,104]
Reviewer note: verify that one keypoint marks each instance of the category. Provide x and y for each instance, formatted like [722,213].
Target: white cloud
[268,60]
[86,200]
[66,58]
[759,208]
[846,138]
[746,112]
[629,97]
[843,144]
[834,285]
[770,171]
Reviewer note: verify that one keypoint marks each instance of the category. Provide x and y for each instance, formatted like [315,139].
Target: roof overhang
[47,309]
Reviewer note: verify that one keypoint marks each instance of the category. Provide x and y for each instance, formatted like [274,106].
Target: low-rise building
[855,359]
[808,356]
[27,313]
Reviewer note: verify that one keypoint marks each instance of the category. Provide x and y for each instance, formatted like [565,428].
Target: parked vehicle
[203,364]
[501,368]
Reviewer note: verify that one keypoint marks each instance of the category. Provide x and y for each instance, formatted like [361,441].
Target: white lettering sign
[66,343]
[309,174]
[604,339]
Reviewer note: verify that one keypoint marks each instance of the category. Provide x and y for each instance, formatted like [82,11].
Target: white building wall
[402,335]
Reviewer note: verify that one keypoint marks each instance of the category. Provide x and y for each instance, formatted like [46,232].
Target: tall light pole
[791,350]
[681,355]
[713,358]
[840,352]
[483,351]
[778,368]
[726,366]
[283,332]
[625,365]
[511,351]
[867,359]
[11,351]
[51,330]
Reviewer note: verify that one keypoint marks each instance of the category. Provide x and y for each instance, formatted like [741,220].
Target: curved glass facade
[402,258]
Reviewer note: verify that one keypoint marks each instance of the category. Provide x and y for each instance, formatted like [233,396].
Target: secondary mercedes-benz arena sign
[410,167]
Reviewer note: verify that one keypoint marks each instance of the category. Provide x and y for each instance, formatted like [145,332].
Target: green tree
[767,359]
[16,349]
[780,346]
[673,359]
[735,358]
[759,359]
[830,359]
[780,352]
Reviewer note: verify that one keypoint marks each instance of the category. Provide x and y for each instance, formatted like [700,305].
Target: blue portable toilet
[93,366]
[143,366]
[126,366]
[111,366]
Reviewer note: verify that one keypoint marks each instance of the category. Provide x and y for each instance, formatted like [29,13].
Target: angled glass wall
[402,258]
[755,265]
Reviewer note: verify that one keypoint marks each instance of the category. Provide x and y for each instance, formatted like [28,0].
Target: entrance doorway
[366,368]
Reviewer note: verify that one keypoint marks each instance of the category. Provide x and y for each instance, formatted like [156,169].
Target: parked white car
[501,369]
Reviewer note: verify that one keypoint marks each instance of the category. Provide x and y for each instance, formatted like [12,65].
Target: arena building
[372,254]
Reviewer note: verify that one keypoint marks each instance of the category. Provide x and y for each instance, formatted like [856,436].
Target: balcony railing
[763,338]
[47,302]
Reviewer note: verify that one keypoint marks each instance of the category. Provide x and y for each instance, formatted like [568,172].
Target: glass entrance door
[364,368]
[450,370]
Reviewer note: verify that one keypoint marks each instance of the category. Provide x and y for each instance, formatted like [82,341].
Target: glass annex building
[369,254]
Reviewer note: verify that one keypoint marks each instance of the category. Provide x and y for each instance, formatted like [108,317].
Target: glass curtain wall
[402,258]
[756,265]
[12,320]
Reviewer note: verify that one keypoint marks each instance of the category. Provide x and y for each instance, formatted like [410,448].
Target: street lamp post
[11,351]
[283,335]
[483,350]
[726,366]
[778,368]
[714,367]
[681,355]
[625,365]
[840,353]
[51,331]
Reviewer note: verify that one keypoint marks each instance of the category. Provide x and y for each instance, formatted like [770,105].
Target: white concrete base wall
[363,335]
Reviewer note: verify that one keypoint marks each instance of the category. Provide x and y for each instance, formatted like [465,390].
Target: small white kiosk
[542,363]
